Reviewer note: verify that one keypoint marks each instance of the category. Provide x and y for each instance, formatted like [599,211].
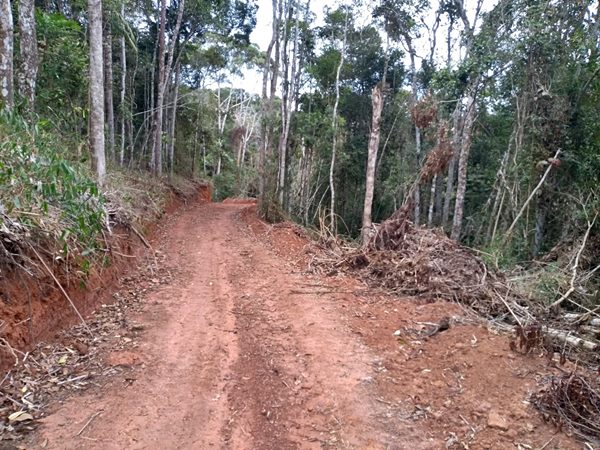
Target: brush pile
[412,261]
[572,401]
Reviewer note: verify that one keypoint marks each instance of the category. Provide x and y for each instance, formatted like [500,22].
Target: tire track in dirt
[177,399]
[240,353]
[245,352]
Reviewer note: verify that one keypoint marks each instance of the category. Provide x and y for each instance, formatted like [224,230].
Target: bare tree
[96,90]
[463,160]
[164,73]
[6,56]
[270,69]
[172,120]
[29,53]
[377,101]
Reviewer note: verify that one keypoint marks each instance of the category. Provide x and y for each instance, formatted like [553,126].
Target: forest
[349,111]
[478,119]
[446,148]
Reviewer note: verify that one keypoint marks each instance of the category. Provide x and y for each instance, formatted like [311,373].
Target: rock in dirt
[495,420]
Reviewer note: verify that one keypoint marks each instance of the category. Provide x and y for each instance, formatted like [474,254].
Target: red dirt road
[245,351]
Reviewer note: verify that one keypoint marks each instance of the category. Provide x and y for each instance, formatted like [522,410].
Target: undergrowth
[50,203]
[46,196]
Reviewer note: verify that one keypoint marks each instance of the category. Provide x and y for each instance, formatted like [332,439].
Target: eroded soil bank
[241,349]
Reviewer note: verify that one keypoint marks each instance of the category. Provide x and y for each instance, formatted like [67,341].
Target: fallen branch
[87,424]
[575,265]
[142,238]
[570,339]
[63,291]
[531,196]
[5,343]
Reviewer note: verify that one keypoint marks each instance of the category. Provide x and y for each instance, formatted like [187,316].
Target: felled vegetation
[572,402]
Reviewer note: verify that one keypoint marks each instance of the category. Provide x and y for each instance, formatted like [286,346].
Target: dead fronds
[439,157]
[424,112]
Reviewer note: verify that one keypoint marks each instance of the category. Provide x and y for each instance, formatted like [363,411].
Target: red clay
[245,351]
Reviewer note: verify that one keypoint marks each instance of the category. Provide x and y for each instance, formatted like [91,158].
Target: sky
[251,80]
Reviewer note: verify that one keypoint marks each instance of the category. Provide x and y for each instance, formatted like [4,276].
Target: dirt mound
[205,192]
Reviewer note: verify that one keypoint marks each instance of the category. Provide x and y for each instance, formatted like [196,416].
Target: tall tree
[156,161]
[96,120]
[28,51]
[123,87]
[334,124]
[6,56]
[377,101]
[108,85]
[401,23]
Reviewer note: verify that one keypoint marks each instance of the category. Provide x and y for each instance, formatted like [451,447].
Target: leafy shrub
[42,190]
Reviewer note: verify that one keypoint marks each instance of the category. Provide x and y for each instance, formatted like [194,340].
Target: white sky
[251,81]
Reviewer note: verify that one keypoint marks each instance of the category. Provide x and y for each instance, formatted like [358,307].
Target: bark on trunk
[367,224]
[270,69]
[463,160]
[96,90]
[156,163]
[415,99]
[29,53]
[333,221]
[456,139]
[108,88]
[6,56]
[164,73]
[172,121]
[122,105]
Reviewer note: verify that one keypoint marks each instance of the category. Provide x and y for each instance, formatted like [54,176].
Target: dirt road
[245,351]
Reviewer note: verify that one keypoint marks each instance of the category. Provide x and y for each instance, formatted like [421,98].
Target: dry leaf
[20,416]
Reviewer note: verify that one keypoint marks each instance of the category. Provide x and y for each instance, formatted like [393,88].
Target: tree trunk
[333,221]
[29,53]
[164,74]
[463,161]
[96,90]
[6,56]
[156,162]
[432,200]
[415,99]
[171,139]
[269,70]
[377,101]
[289,94]
[122,104]
[108,88]
[456,139]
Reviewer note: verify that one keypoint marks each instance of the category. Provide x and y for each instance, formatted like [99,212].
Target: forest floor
[242,349]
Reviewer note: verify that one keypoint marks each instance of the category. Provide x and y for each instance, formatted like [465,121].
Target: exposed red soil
[240,201]
[246,351]
[33,310]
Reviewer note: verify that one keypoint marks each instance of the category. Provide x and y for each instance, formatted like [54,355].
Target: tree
[156,162]
[335,122]
[6,56]
[400,23]
[28,53]
[108,84]
[371,163]
[96,124]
